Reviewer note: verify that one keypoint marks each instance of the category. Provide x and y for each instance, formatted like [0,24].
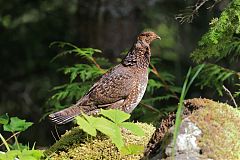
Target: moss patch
[98,148]
[220,124]
[69,138]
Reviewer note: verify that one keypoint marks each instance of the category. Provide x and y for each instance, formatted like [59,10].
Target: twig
[231,96]
[53,136]
[56,131]
[10,138]
[97,65]
[150,107]
[188,17]
[154,70]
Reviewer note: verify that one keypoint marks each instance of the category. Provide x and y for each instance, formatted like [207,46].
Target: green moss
[76,135]
[220,124]
[100,147]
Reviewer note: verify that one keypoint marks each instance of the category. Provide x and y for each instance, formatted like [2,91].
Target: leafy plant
[216,76]
[16,126]
[220,44]
[111,123]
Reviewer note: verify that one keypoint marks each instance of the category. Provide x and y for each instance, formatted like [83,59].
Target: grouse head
[148,37]
[139,54]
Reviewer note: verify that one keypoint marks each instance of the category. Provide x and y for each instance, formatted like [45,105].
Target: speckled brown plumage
[122,87]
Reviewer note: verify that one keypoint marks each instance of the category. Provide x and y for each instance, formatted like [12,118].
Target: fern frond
[214,76]
[157,99]
[70,91]
[153,85]
[82,52]
[84,71]
[237,93]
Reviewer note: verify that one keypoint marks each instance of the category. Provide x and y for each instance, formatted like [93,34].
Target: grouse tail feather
[65,116]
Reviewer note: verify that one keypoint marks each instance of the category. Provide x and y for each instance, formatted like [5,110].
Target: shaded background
[28,27]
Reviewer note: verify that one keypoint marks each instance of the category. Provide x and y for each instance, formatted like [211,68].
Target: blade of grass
[4,141]
[185,89]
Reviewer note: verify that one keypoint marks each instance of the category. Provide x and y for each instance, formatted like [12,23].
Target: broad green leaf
[115,115]
[18,146]
[135,129]
[4,119]
[117,139]
[132,149]
[3,156]
[16,124]
[31,155]
[12,154]
[110,129]
[105,126]
[91,120]
[85,126]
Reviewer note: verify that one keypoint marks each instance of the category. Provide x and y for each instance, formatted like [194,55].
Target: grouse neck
[138,55]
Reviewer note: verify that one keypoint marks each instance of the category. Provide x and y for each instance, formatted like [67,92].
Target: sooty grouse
[122,87]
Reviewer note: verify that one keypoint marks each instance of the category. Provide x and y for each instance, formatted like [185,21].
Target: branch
[231,96]
[191,11]
[154,71]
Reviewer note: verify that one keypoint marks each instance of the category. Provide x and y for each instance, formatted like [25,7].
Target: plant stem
[5,142]
[185,89]
[16,140]
[10,137]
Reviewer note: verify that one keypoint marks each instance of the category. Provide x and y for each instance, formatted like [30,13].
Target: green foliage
[4,119]
[221,40]
[187,84]
[132,149]
[220,43]
[237,93]
[111,126]
[22,155]
[216,76]
[18,150]
[67,92]
[82,52]
[116,116]
[16,124]
[84,71]
[161,86]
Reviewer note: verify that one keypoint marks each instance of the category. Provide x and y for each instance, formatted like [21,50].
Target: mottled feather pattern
[122,87]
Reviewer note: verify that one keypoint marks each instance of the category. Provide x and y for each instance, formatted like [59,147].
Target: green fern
[82,52]
[84,71]
[220,43]
[221,40]
[214,76]
[153,85]
[237,93]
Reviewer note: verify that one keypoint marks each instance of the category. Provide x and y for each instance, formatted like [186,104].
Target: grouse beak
[158,37]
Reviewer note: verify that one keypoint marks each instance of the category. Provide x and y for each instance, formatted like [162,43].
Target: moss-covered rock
[220,125]
[75,145]
[209,130]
